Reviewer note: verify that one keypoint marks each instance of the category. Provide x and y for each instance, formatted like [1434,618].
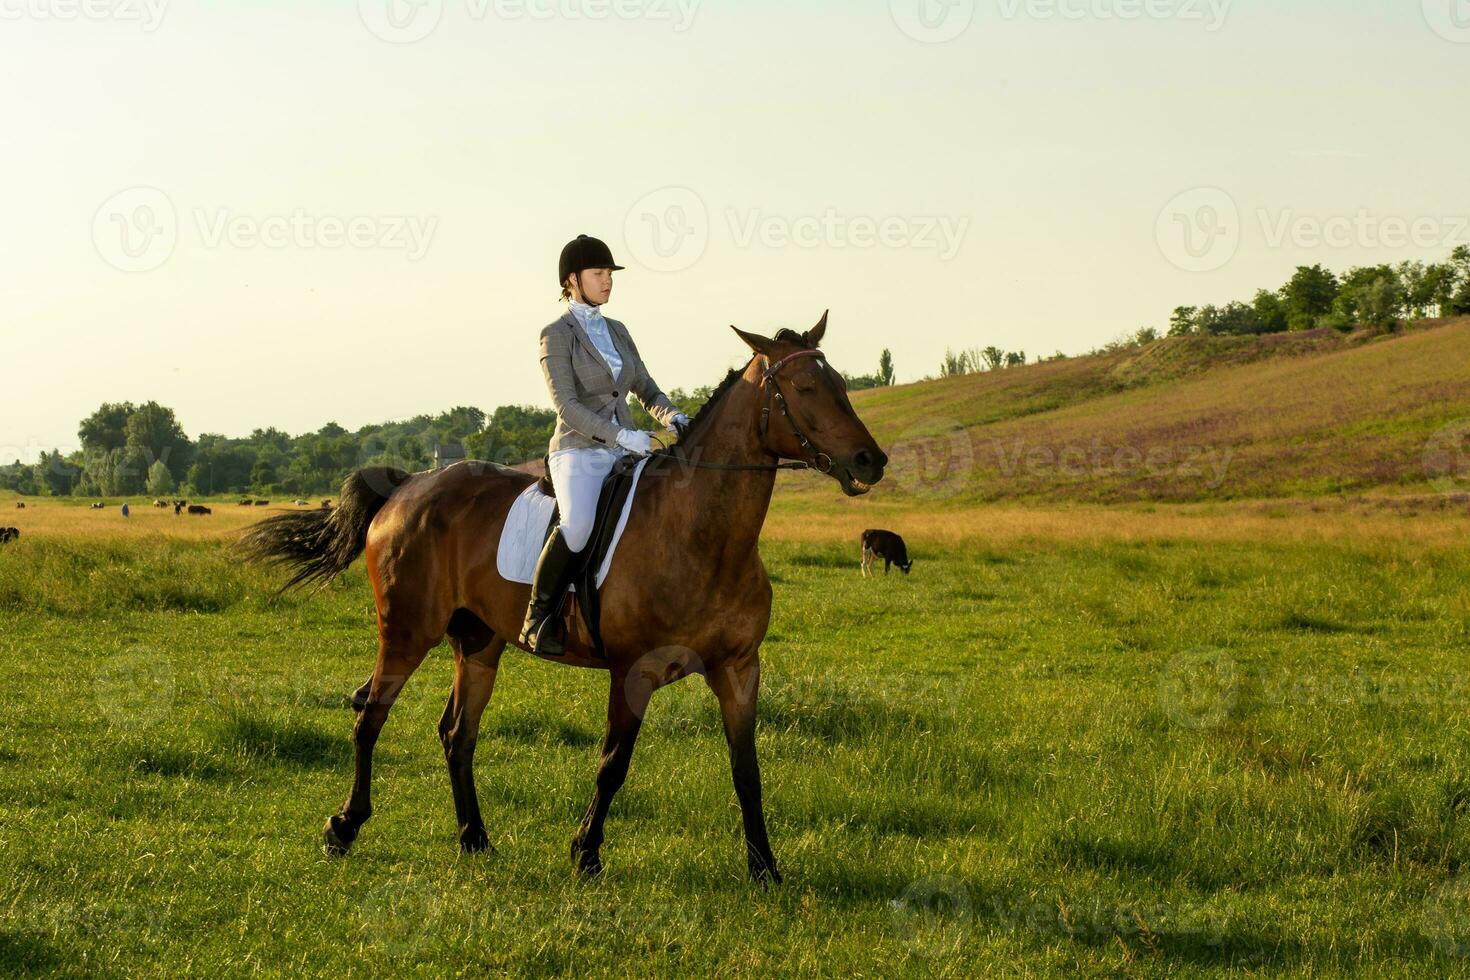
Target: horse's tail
[321,544]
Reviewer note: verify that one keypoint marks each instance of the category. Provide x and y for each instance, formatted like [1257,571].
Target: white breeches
[578,475]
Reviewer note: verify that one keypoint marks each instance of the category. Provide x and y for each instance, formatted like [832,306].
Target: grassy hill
[1189,419]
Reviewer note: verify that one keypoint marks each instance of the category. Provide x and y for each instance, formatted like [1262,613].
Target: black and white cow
[888,546]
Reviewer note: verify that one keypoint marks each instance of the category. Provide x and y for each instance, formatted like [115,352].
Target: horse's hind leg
[476,658]
[398,658]
[359,697]
[625,707]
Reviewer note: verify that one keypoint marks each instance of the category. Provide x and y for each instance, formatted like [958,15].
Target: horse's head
[806,414]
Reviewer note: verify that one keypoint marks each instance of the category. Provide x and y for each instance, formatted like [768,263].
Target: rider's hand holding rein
[638,443]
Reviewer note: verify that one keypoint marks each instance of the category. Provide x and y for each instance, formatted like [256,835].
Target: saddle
[615,490]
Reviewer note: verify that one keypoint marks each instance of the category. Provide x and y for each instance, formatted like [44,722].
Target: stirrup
[542,636]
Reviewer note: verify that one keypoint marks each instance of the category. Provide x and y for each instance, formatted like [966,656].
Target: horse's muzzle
[861,471]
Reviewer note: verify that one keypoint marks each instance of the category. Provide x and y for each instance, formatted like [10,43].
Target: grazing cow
[300,503]
[199,509]
[247,502]
[98,506]
[160,503]
[8,534]
[262,503]
[885,545]
[20,505]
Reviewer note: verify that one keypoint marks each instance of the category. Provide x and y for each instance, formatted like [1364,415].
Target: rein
[772,389]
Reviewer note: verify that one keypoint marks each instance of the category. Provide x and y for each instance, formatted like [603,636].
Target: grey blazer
[591,405]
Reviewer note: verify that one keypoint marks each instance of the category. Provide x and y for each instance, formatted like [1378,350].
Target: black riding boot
[554,571]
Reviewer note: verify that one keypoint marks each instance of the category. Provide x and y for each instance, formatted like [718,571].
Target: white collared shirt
[592,320]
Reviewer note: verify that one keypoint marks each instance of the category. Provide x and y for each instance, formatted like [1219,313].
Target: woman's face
[593,286]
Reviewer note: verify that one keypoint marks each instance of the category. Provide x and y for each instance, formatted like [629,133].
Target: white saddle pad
[525,533]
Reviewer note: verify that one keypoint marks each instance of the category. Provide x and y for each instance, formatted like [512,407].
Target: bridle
[771,389]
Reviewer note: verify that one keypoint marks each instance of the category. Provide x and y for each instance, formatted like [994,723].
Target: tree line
[130,450]
[1377,297]
[973,360]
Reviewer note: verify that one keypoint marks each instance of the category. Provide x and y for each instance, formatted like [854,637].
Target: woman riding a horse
[429,543]
[590,364]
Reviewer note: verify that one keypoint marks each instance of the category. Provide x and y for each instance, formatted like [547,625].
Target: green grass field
[1223,748]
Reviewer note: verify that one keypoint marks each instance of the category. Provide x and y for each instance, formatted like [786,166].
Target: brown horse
[430,541]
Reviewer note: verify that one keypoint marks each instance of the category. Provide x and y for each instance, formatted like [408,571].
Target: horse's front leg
[625,707]
[736,684]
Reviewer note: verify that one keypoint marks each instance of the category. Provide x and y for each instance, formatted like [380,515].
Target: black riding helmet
[584,253]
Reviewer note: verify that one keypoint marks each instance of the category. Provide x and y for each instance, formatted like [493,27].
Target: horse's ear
[757,343]
[813,337]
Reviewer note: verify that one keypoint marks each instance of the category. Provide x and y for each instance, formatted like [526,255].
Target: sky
[283,214]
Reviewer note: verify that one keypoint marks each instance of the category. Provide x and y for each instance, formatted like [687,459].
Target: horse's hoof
[587,863]
[337,836]
[764,873]
[475,841]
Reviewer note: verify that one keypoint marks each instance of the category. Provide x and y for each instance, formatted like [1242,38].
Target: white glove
[638,443]
[678,421]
